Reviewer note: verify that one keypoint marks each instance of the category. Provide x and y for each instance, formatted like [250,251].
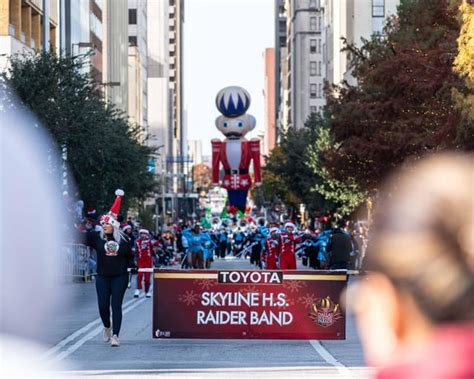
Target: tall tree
[402,105]
[103,149]
[287,176]
[464,65]
[344,194]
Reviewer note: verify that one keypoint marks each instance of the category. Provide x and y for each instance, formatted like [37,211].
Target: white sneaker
[148,294]
[137,293]
[114,341]
[107,333]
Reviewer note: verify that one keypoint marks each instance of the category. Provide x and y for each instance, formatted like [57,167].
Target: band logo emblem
[325,312]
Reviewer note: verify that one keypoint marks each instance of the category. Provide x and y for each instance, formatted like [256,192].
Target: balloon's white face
[235,127]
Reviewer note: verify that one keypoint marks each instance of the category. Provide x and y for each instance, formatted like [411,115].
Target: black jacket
[339,246]
[107,264]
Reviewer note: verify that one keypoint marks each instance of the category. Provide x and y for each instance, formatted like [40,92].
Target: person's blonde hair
[423,235]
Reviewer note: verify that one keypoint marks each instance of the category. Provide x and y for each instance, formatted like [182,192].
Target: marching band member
[196,249]
[272,250]
[144,251]
[287,247]
[208,249]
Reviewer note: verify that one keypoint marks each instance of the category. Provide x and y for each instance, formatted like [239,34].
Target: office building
[138,64]
[22,27]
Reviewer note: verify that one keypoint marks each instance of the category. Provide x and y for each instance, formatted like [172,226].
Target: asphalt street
[76,345]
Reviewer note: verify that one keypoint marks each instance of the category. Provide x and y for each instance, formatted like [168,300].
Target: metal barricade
[74,261]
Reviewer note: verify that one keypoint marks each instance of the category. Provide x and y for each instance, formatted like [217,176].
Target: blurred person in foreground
[31,297]
[415,308]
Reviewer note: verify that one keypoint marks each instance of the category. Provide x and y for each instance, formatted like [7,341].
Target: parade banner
[248,304]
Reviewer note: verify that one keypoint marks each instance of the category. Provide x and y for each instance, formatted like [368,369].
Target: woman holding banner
[114,256]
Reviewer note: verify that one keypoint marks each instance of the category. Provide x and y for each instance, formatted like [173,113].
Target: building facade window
[320,65]
[314,3]
[312,68]
[313,109]
[319,25]
[312,23]
[312,46]
[132,40]
[132,16]
[320,91]
[312,91]
[319,46]
[378,8]
[95,25]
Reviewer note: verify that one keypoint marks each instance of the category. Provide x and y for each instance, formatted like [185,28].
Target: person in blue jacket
[321,244]
[208,249]
[195,247]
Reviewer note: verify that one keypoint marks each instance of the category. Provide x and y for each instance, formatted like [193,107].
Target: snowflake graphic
[293,285]
[251,289]
[245,182]
[189,298]
[290,301]
[307,300]
[205,284]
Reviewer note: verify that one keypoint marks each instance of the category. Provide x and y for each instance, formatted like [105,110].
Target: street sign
[248,304]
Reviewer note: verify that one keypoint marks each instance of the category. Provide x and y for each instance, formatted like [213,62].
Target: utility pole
[46,25]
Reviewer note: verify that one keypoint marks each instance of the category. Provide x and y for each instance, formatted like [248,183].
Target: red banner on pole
[248,304]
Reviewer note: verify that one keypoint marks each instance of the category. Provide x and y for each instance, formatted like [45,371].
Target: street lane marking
[205,370]
[329,358]
[79,332]
[71,349]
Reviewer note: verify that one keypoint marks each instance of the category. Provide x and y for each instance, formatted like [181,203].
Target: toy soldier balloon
[235,152]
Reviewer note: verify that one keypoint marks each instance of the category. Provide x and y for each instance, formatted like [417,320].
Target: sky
[224,42]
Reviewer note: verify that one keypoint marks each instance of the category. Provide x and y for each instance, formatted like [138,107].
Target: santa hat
[126,227]
[143,231]
[111,217]
[290,225]
[274,230]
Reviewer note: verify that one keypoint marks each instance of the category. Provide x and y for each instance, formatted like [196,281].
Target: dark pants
[222,249]
[312,254]
[111,287]
[256,256]
[341,265]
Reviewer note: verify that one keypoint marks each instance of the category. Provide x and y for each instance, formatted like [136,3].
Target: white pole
[45,25]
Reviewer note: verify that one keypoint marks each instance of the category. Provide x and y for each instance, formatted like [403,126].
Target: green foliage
[346,194]
[145,215]
[103,150]
[287,176]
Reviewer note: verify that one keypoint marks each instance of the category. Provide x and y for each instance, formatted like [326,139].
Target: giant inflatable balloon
[235,153]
